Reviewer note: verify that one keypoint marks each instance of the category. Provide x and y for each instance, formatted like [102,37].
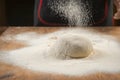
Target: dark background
[20,13]
[15,9]
[17,12]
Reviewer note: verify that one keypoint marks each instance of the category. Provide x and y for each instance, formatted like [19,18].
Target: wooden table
[10,72]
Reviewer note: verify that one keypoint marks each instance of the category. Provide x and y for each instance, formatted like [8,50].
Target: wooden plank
[10,72]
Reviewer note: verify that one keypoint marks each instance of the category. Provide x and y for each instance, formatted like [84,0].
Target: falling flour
[38,56]
[77,12]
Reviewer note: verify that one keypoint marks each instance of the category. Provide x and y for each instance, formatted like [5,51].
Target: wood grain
[10,72]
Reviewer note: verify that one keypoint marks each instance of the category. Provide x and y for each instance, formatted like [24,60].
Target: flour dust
[38,57]
[77,12]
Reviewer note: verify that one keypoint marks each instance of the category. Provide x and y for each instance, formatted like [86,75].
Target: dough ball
[73,46]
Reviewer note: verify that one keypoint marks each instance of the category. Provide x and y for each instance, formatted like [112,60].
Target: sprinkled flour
[38,57]
[77,12]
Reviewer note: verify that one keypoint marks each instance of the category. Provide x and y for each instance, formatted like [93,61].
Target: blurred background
[116,11]
[16,12]
[20,13]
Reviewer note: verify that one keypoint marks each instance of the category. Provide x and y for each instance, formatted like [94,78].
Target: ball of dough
[73,46]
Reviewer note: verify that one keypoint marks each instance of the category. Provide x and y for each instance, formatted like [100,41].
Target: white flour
[77,12]
[37,57]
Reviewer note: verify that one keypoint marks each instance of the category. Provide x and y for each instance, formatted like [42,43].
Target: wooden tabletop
[10,72]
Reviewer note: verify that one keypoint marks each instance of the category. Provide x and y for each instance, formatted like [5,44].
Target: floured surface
[36,56]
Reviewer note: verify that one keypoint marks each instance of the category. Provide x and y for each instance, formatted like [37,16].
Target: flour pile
[38,57]
[77,12]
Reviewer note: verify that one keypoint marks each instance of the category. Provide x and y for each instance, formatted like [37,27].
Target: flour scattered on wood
[38,57]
